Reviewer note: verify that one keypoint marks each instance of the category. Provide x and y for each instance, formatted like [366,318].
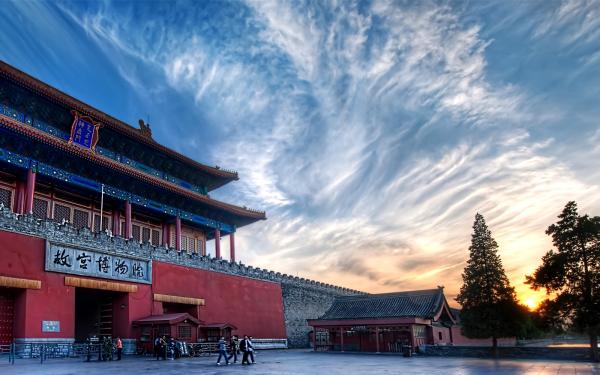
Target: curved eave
[248,215]
[59,97]
[444,306]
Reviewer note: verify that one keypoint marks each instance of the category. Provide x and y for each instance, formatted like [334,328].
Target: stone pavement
[301,362]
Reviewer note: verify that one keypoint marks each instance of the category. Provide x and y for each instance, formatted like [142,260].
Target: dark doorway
[7,315]
[93,313]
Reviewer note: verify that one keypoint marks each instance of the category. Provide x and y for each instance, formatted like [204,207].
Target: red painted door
[7,311]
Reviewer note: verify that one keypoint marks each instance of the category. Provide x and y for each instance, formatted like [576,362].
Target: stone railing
[66,234]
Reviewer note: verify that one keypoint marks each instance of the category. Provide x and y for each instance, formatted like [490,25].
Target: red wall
[459,339]
[23,257]
[255,307]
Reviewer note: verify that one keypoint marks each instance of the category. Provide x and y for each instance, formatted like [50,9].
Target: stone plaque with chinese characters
[87,262]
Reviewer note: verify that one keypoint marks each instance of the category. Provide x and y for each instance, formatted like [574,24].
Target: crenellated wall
[302,298]
[302,302]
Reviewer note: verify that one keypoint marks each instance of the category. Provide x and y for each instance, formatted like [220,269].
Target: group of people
[106,348]
[237,346]
[167,348]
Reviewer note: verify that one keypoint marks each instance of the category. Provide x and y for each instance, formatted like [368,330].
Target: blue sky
[371,132]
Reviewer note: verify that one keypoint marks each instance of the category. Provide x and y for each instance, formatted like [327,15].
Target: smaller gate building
[387,322]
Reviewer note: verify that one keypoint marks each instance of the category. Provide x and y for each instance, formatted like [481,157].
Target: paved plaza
[299,362]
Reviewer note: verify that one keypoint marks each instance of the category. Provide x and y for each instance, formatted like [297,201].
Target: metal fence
[45,351]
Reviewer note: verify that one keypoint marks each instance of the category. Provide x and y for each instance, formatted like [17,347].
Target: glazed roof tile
[167,319]
[419,303]
[60,97]
[107,162]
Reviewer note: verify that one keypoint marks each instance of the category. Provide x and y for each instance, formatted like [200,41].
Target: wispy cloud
[573,21]
[370,132]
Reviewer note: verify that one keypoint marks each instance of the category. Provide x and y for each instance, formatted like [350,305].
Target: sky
[371,132]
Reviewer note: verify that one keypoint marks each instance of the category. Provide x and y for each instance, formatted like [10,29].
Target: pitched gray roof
[418,303]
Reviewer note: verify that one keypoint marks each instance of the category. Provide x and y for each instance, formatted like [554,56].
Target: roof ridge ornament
[144,129]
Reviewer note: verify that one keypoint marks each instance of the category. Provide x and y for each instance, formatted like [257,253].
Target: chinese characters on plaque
[66,259]
[84,131]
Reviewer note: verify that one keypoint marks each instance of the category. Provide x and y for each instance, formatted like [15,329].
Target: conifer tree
[489,306]
[572,272]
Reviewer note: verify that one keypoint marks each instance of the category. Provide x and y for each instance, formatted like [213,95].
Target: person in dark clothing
[222,351]
[163,347]
[157,348]
[234,347]
[244,349]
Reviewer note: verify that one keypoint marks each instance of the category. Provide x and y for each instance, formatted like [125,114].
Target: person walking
[163,347]
[157,348]
[244,349]
[119,345]
[234,347]
[222,351]
[250,349]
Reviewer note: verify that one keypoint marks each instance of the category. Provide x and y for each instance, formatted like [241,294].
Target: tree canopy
[571,272]
[489,306]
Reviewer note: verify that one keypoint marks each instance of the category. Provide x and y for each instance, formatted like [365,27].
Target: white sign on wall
[50,326]
[86,262]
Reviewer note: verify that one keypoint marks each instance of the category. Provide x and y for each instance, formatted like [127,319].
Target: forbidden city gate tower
[101,226]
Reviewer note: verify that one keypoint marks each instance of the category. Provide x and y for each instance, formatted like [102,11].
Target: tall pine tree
[572,272]
[489,305]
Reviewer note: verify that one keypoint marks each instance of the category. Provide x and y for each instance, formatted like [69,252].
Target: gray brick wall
[302,302]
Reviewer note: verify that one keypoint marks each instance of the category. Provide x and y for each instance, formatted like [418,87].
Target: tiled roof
[167,319]
[60,97]
[109,163]
[419,303]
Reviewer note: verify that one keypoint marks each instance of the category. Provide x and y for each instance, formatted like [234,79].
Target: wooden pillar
[30,190]
[314,339]
[116,222]
[341,339]
[232,247]
[178,233]
[377,339]
[20,197]
[217,243]
[166,235]
[127,220]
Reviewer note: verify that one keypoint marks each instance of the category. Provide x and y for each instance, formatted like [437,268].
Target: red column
[232,247]
[341,339]
[20,197]
[166,235]
[127,220]
[314,339]
[178,233]
[217,243]
[377,339]
[116,222]
[30,191]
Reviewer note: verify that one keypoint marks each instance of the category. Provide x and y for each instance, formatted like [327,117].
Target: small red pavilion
[385,322]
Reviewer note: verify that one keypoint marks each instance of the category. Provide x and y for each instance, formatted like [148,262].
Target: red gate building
[101,226]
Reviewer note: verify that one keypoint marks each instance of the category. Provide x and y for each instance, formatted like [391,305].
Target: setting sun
[532,303]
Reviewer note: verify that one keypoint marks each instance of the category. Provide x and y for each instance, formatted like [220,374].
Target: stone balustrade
[65,233]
